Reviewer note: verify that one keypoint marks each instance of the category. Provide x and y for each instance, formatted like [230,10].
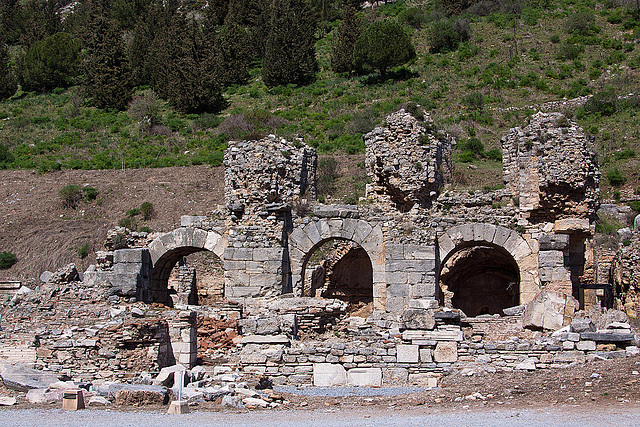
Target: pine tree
[107,75]
[347,34]
[289,55]
[8,85]
[382,45]
[231,54]
[183,71]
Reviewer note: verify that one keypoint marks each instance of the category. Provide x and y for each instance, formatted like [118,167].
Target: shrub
[603,102]
[144,229]
[7,259]
[83,250]
[90,193]
[128,222]
[570,52]
[615,177]
[382,45]
[146,209]
[327,175]
[446,34]
[145,108]
[133,212]
[625,154]
[413,17]
[494,154]
[581,23]
[71,196]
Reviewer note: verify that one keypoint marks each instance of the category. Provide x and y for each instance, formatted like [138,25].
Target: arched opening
[187,275]
[340,269]
[479,279]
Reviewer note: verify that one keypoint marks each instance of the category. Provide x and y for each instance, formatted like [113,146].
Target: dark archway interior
[161,271]
[340,269]
[480,280]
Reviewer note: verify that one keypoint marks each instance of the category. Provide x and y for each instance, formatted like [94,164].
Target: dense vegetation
[149,83]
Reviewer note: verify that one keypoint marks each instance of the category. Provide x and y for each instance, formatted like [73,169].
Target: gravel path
[348,391]
[503,417]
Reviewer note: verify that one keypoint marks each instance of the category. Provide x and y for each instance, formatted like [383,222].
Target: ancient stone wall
[408,161]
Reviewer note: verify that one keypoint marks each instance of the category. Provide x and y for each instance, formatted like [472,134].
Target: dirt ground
[44,235]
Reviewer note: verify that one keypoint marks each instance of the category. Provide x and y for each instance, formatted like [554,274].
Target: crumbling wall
[408,161]
[550,167]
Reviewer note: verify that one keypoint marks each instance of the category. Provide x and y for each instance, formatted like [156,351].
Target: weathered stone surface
[265,339]
[553,242]
[167,375]
[111,389]
[446,352]
[549,310]
[607,337]
[21,378]
[419,337]
[418,319]
[7,401]
[528,364]
[582,325]
[364,377]
[514,311]
[329,375]
[407,353]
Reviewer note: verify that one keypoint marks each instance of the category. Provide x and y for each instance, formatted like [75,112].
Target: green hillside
[478,69]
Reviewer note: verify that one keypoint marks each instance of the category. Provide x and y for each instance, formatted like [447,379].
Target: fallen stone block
[253,401]
[21,378]
[7,401]
[418,319]
[167,375]
[582,325]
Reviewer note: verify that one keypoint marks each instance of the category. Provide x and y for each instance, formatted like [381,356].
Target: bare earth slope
[44,235]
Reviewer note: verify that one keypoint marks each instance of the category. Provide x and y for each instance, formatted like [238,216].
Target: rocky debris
[550,166]
[408,161]
[216,335]
[22,378]
[7,401]
[98,401]
[140,397]
[550,311]
[418,319]
[66,274]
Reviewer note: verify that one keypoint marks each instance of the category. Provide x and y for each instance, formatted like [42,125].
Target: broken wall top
[408,161]
[268,171]
[550,166]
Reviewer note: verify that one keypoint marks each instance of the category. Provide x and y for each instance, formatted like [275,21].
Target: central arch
[168,249]
[304,240]
[495,256]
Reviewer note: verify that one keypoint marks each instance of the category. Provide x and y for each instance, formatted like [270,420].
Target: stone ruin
[418,280]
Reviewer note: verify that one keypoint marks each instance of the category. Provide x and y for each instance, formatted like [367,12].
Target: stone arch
[304,240]
[166,250]
[510,241]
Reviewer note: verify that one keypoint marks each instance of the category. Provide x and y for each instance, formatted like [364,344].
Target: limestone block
[395,376]
[582,325]
[130,255]
[571,225]
[407,353]
[548,310]
[555,242]
[569,357]
[551,259]
[418,319]
[446,245]
[586,345]
[424,380]
[242,291]
[423,337]
[446,352]
[426,356]
[489,233]
[129,269]
[419,252]
[423,303]
[501,235]
[423,290]
[189,220]
[364,377]
[397,291]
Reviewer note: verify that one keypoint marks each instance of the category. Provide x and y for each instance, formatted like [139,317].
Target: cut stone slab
[407,353]
[7,401]
[265,339]
[329,375]
[21,378]
[446,352]
[604,337]
[423,337]
[364,377]
[111,389]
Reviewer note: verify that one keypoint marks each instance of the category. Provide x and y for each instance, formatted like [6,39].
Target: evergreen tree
[107,75]
[289,55]
[382,45]
[8,85]
[253,16]
[347,34]
[50,63]
[231,55]
[183,71]
[39,20]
